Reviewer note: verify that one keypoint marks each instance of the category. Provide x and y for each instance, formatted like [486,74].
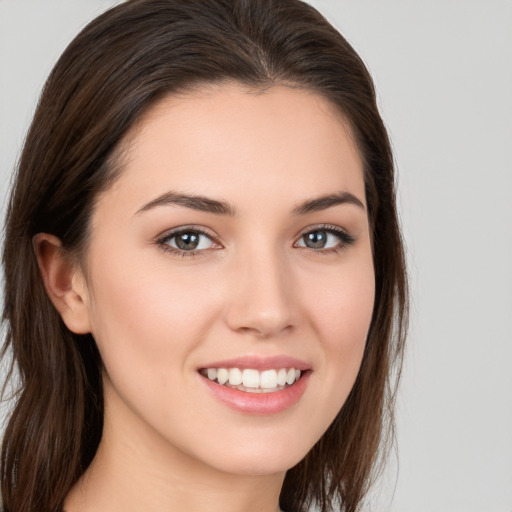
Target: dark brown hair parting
[115,69]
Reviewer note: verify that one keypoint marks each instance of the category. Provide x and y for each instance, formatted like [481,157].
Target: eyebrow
[201,203]
[206,204]
[327,201]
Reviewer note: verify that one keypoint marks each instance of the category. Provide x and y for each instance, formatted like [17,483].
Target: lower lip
[259,403]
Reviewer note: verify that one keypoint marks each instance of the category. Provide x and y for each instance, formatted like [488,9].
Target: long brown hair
[113,71]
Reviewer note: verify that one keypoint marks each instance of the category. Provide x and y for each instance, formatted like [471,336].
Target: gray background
[443,71]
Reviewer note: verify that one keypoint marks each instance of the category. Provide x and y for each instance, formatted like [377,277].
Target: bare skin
[275,272]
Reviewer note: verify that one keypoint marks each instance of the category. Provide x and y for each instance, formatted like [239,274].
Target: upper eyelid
[319,227]
[165,235]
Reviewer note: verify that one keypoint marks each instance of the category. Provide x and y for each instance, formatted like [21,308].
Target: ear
[64,283]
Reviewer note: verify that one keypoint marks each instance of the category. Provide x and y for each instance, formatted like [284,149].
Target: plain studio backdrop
[443,72]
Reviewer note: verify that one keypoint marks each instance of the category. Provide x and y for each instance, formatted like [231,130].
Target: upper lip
[260,363]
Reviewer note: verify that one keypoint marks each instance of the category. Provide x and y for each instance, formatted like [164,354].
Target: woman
[205,288]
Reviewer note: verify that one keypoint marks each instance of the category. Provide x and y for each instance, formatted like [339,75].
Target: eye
[186,242]
[325,238]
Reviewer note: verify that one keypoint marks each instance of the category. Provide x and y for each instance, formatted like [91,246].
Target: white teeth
[281,377]
[268,379]
[290,376]
[235,377]
[253,380]
[222,375]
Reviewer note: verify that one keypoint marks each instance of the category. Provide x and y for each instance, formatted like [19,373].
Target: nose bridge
[261,301]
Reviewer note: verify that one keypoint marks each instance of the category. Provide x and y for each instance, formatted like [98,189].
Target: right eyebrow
[201,203]
[328,201]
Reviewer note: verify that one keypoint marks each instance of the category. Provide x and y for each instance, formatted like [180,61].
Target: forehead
[229,141]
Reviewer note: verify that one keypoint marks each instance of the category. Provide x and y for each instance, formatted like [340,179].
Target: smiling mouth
[253,381]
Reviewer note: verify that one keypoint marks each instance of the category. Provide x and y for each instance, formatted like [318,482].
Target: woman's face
[236,237]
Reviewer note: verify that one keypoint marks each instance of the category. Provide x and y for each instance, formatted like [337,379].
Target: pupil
[316,239]
[187,241]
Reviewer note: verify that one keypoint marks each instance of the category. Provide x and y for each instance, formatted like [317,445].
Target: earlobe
[64,283]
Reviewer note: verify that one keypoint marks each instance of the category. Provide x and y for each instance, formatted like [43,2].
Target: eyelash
[346,240]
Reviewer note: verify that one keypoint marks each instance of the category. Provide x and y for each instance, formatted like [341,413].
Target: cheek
[341,315]
[143,313]
[343,307]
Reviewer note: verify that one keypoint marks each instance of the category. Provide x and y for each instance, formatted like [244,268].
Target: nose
[261,296]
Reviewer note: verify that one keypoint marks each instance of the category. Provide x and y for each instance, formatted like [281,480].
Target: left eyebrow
[201,203]
[327,201]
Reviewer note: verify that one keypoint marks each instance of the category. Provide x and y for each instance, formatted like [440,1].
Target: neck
[135,469]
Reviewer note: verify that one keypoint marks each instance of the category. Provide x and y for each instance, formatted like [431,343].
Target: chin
[252,458]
